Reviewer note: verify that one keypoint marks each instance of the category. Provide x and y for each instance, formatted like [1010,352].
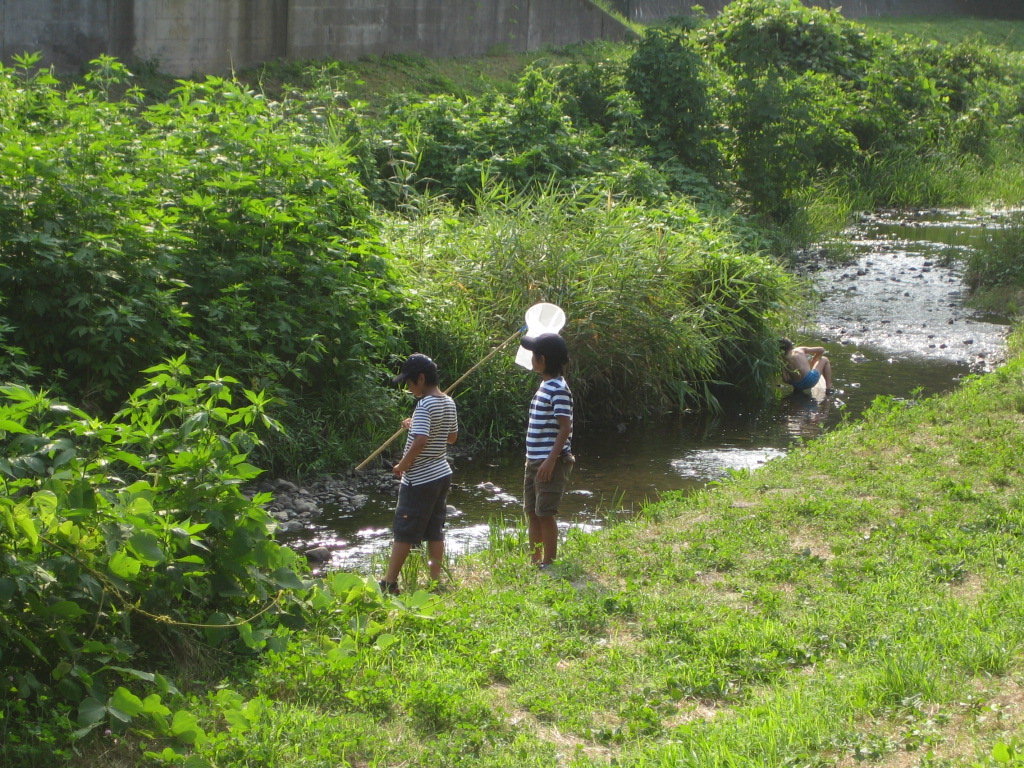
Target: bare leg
[543,539]
[549,534]
[399,552]
[435,550]
[824,367]
[536,540]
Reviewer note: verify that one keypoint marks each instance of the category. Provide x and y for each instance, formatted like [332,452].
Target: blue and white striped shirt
[435,417]
[551,400]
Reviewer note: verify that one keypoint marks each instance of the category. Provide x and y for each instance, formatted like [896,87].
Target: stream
[892,319]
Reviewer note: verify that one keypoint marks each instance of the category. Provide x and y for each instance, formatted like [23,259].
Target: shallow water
[893,321]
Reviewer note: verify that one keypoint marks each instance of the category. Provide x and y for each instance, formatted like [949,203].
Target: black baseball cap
[550,345]
[413,366]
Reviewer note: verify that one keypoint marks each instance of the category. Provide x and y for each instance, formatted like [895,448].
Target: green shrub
[122,539]
[787,130]
[669,80]
[85,272]
[751,37]
[453,148]
[213,224]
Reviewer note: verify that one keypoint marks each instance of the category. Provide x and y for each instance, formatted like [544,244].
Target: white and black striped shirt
[552,399]
[435,417]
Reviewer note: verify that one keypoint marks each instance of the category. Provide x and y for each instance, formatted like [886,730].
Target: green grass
[855,602]
[376,80]
[995,271]
[952,29]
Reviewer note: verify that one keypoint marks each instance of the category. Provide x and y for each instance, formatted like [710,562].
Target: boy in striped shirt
[549,458]
[424,471]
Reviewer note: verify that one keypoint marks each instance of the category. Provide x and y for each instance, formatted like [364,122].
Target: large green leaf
[146,546]
[127,702]
[124,565]
[185,726]
[65,609]
[286,578]
[91,711]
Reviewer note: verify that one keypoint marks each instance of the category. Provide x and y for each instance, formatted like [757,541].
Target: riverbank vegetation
[222,277]
[252,230]
[854,602]
[995,270]
[947,30]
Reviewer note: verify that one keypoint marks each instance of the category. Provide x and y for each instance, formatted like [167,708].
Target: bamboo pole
[458,381]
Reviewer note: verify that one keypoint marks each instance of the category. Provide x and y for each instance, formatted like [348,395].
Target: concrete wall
[185,37]
[215,36]
[348,29]
[646,11]
[66,30]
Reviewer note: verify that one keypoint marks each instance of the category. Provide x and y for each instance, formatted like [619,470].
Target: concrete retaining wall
[215,36]
[348,29]
[185,37]
[66,30]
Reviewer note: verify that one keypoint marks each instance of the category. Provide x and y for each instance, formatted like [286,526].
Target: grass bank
[950,30]
[855,602]
[376,79]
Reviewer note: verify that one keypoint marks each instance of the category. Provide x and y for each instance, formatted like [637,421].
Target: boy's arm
[815,352]
[419,442]
[547,468]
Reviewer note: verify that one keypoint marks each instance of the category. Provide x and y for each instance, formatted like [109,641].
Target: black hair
[552,348]
[785,344]
[554,365]
[429,377]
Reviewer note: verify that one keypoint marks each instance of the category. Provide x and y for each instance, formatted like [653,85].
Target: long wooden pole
[454,384]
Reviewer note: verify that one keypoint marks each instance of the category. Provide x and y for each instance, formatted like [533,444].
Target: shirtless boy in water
[805,366]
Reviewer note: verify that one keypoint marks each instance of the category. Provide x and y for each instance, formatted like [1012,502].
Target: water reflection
[805,415]
[893,323]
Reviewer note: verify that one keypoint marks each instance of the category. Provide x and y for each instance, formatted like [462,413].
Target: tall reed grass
[665,309]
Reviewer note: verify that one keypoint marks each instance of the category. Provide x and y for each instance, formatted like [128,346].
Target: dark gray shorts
[422,511]
[542,499]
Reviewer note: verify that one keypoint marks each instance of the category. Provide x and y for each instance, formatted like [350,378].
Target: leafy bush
[787,130]
[85,272]
[128,550]
[119,535]
[752,37]
[452,147]
[667,76]
[209,224]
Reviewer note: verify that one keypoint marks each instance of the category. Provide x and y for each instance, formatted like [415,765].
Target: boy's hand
[545,470]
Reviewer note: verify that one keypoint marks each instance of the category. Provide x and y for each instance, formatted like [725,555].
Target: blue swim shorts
[807,382]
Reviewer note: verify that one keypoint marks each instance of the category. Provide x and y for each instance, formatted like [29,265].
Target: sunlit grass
[855,602]
[952,29]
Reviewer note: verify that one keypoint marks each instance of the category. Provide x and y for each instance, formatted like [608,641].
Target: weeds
[811,624]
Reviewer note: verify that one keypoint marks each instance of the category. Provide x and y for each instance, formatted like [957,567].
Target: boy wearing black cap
[424,471]
[549,458]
